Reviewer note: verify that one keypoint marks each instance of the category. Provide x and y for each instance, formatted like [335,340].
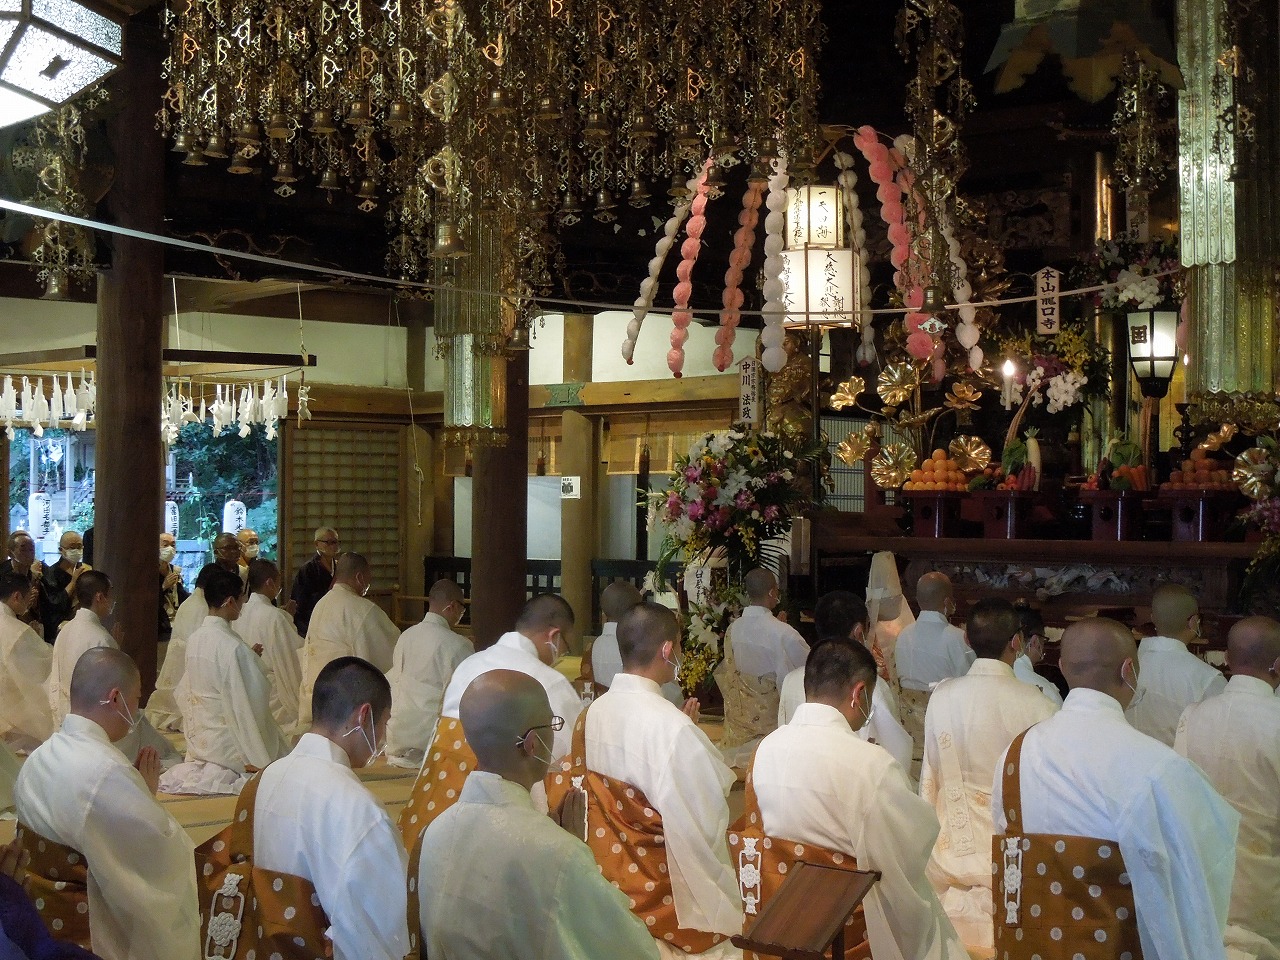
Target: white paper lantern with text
[235,515]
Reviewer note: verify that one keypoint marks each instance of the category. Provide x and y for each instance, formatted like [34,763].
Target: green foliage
[263,520]
[225,468]
[20,468]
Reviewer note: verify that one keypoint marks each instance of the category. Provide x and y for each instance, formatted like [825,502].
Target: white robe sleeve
[376,639]
[1179,841]
[25,706]
[695,817]
[370,897]
[590,917]
[890,734]
[905,921]
[248,693]
[143,867]
[283,655]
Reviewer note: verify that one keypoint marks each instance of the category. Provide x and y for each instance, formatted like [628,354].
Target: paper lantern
[171,518]
[234,516]
[815,217]
[1153,349]
[39,515]
[820,286]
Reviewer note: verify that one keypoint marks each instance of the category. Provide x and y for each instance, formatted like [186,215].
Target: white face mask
[674,664]
[374,751]
[1138,691]
[251,551]
[74,556]
[168,553]
[549,759]
[126,714]
[365,591]
[866,713]
[557,654]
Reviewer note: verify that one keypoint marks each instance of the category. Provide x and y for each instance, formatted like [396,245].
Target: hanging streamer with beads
[743,240]
[773,337]
[689,250]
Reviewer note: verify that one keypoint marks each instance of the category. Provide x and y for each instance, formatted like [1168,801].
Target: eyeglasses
[252,543]
[330,543]
[229,551]
[556,724]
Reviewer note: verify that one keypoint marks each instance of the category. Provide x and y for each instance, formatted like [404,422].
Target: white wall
[543,501]
[650,357]
[45,325]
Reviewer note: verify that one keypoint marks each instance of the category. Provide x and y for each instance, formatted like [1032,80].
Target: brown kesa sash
[57,879]
[763,862]
[1058,897]
[444,770]
[624,832]
[248,912]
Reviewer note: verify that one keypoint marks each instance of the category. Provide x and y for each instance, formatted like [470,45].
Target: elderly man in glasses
[655,790]
[315,577]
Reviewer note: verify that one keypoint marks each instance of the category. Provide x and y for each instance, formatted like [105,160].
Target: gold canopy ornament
[970,453]
[893,465]
[853,448]
[847,393]
[1254,473]
[897,382]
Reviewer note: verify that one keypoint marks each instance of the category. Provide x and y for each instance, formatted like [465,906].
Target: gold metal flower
[1254,473]
[847,393]
[970,453]
[963,397]
[910,421]
[897,382]
[1215,440]
[853,448]
[893,465]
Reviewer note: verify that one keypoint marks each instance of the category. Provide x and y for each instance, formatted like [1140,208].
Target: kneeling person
[499,880]
[817,787]
[92,826]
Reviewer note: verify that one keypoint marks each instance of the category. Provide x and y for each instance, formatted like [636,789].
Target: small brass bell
[643,129]
[570,204]
[239,164]
[361,115]
[768,150]
[249,133]
[448,244]
[322,122]
[400,115]
[217,147]
[686,136]
[724,145]
[679,189]
[195,157]
[329,180]
[57,286]
[760,173]
[279,127]
[548,110]
[285,173]
[639,194]
[519,339]
[368,189]
[499,103]
[715,181]
[605,205]
[182,143]
[596,127]
[935,300]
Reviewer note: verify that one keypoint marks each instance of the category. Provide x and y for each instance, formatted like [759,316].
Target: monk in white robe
[534,647]
[760,649]
[1034,638]
[264,625]
[96,834]
[841,617]
[606,662]
[162,706]
[425,657]
[825,795]
[499,880]
[226,703]
[888,613]
[1173,677]
[970,722]
[1107,843]
[656,796]
[25,662]
[929,651]
[315,820]
[345,624]
[85,632]
[1235,739]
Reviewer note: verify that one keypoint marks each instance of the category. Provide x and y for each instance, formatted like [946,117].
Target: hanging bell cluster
[238,408]
[69,408]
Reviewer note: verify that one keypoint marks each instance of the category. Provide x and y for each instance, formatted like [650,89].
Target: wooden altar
[1064,578]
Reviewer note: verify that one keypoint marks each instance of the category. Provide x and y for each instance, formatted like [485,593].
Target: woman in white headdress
[887,610]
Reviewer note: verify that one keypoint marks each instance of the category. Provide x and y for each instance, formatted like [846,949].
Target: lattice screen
[347,477]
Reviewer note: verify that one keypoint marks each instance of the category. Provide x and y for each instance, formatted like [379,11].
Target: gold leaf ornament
[847,393]
[1254,473]
[893,465]
[1218,438]
[970,453]
[897,382]
[853,448]
[963,397]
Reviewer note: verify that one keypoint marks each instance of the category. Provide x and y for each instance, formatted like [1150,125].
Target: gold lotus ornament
[1218,438]
[963,397]
[970,453]
[913,421]
[853,448]
[897,382]
[847,393]
[1254,473]
[893,465]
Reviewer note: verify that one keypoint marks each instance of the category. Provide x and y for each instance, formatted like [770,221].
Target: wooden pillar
[579,457]
[415,315]
[130,456]
[500,517]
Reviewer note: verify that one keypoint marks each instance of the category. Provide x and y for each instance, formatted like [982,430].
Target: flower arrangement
[1070,366]
[733,492]
[1142,274]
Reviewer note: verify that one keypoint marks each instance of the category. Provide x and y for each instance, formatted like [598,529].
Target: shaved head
[547,611]
[1172,607]
[225,540]
[497,710]
[1253,647]
[97,673]
[617,598]
[643,631]
[350,566]
[445,592]
[1093,652]
[759,583]
[933,590]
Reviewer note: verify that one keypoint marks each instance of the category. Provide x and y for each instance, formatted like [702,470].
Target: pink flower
[744,500]
[695,511]
[691,474]
[771,513]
